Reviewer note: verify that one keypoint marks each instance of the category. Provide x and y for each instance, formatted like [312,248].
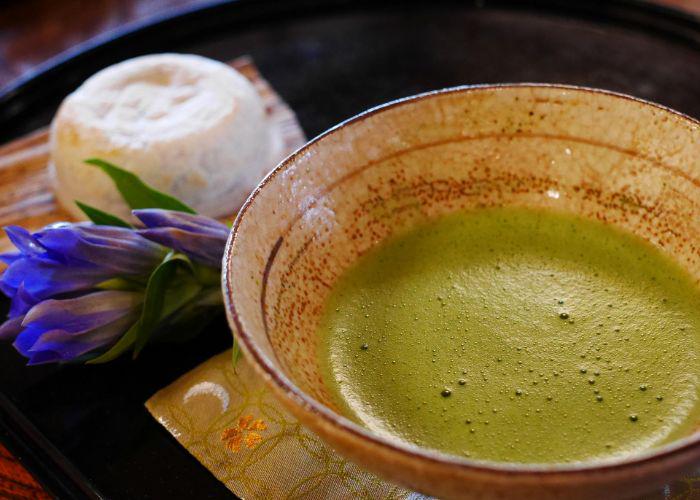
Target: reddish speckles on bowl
[601,155]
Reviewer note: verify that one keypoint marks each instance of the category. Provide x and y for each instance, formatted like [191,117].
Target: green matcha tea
[516,335]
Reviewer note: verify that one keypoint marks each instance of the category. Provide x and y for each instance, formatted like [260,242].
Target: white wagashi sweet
[187,125]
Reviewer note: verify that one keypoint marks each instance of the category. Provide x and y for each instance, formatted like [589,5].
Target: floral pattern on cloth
[234,426]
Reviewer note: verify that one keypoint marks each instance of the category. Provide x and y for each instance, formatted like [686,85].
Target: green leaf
[118,349]
[101,218]
[162,299]
[210,297]
[135,192]
[120,284]
[159,301]
[208,276]
[180,293]
[235,353]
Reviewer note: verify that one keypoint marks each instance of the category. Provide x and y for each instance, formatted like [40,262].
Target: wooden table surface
[15,482]
[33,31]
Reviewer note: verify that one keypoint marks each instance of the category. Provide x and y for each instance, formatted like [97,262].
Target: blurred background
[33,31]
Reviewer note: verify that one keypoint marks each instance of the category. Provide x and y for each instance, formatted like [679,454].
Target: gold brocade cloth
[232,424]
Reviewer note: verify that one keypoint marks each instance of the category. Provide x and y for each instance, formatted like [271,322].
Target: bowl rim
[290,391]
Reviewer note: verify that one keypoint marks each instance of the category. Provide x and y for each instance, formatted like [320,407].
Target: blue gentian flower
[201,238]
[76,289]
[62,330]
[68,258]
[56,312]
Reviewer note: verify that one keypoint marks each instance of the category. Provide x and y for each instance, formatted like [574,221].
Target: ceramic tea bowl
[601,155]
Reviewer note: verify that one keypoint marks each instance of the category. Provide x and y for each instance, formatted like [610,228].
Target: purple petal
[25,242]
[205,249]
[10,257]
[26,339]
[9,284]
[198,224]
[21,302]
[58,345]
[120,250]
[61,330]
[75,316]
[44,278]
[43,357]
[11,328]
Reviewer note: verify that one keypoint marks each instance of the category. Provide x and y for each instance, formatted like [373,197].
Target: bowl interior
[596,154]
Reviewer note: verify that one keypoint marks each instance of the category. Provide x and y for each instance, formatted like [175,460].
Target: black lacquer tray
[83,430]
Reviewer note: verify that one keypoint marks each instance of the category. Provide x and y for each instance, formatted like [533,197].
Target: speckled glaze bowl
[602,155]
